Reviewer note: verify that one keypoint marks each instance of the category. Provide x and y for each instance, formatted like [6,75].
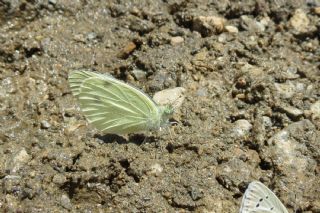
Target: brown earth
[252,107]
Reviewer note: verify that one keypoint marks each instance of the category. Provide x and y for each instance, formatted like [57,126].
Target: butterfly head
[166,113]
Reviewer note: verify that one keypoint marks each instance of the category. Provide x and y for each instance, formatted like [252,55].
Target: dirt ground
[251,71]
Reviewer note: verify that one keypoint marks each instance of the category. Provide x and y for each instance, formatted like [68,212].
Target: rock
[315,110]
[45,124]
[141,26]
[176,40]
[232,29]
[139,74]
[288,151]
[267,121]
[156,169]
[285,90]
[173,97]
[52,2]
[127,50]
[65,202]
[300,21]
[59,179]
[291,73]
[208,25]
[18,160]
[292,112]
[12,184]
[250,24]
[7,86]
[241,127]
[316,10]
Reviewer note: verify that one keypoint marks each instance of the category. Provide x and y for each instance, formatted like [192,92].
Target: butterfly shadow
[132,138]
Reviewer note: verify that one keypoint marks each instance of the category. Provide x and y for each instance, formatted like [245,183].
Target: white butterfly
[259,199]
[113,106]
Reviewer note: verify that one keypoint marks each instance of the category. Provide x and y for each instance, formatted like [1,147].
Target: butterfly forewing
[259,199]
[113,106]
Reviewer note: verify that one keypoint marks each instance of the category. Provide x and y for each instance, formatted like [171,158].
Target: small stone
[300,21]
[139,74]
[232,29]
[173,97]
[286,146]
[251,25]
[291,73]
[292,111]
[59,179]
[127,50]
[241,127]
[12,184]
[267,121]
[45,124]
[208,25]
[53,2]
[315,109]
[141,26]
[316,10]
[19,159]
[176,40]
[92,36]
[65,202]
[286,90]
[156,169]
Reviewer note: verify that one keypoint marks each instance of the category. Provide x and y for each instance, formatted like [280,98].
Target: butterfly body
[113,106]
[259,199]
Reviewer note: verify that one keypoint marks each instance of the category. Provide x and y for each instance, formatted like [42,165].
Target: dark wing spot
[257,205]
[261,199]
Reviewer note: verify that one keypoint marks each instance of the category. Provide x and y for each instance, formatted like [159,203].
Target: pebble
[251,25]
[18,160]
[45,124]
[65,202]
[7,86]
[300,21]
[316,10]
[156,169]
[139,74]
[285,90]
[231,29]
[292,112]
[208,25]
[12,184]
[173,97]
[176,40]
[59,179]
[241,127]
[141,26]
[315,109]
[288,150]
[267,122]
[127,50]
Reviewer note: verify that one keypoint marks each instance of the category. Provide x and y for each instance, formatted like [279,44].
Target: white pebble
[173,97]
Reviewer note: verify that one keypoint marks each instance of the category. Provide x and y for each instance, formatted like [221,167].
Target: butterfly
[115,107]
[259,199]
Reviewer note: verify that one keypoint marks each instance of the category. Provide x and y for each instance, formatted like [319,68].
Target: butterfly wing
[113,106]
[260,199]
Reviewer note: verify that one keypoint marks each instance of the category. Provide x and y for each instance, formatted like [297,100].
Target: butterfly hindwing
[260,199]
[113,106]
